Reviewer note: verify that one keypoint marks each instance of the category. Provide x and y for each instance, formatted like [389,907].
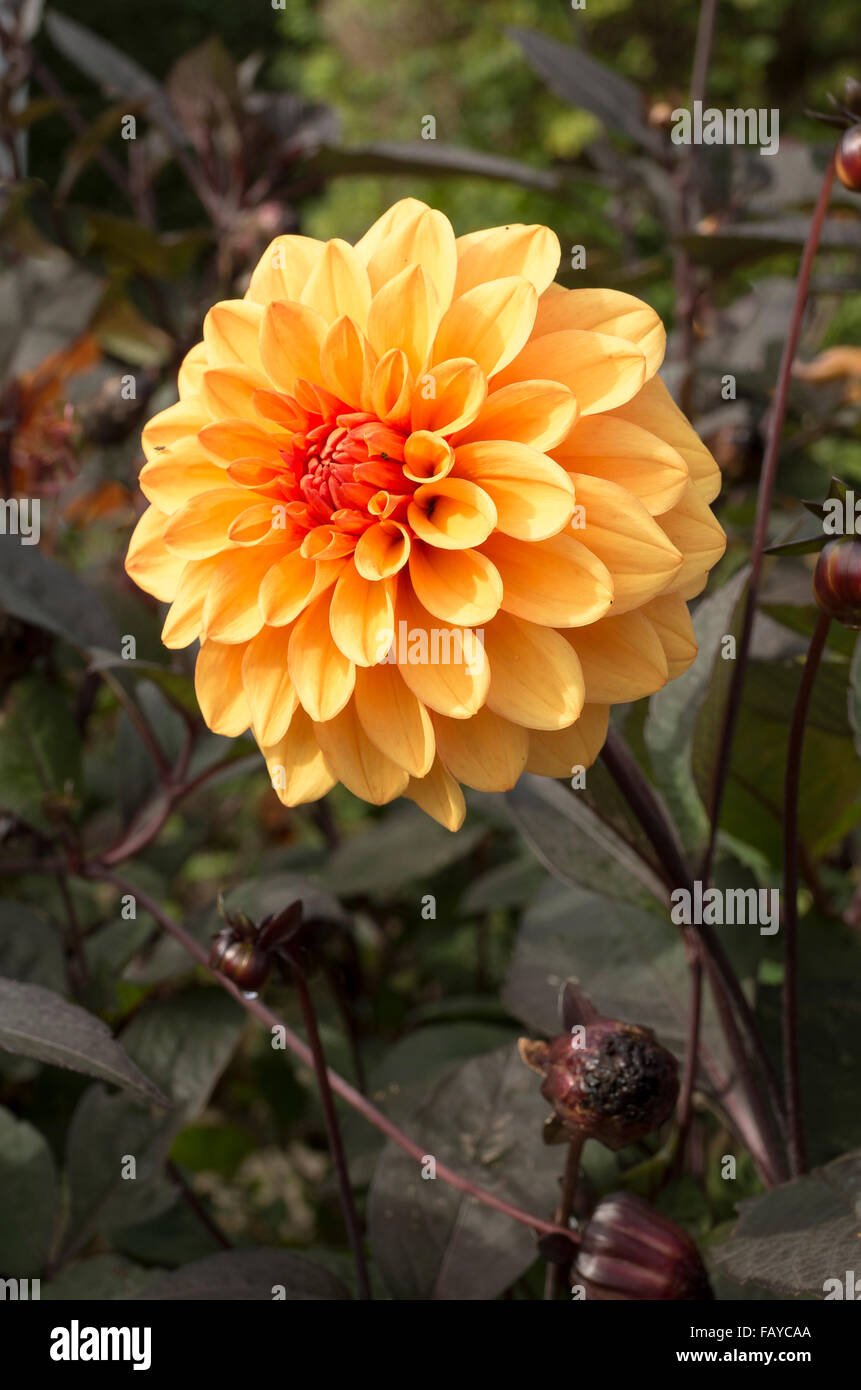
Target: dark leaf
[575,845]
[245,1275]
[426,159]
[28,1197]
[116,74]
[39,590]
[431,1241]
[799,1236]
[581,81]
[35,1022]
[673,711]
[399,849]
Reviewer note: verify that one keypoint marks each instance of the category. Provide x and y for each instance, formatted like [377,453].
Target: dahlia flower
[428,513]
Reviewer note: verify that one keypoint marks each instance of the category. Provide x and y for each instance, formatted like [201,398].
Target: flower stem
[338,1084]
[730,999]
[760,534]
[791,1067]
[554,1281]
[333,1132]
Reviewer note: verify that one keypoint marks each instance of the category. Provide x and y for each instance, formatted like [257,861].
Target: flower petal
[445,668]
[427,240]
[484,752]
[671,619]
[605,311]
[218,685]
[633,546]
[691,526]
[405,210]
[231,612]
[284,267]
[268,688]
[555,583]
[296,766]
[654,409]
[230,333]
[537,413]
[535,676]
[338,284]
[489,323]
[459,586]
[178,473]
[361,617]
[393,719]
[451,513]
[199,528]
[606,446]
[357,762]
[291,336]
[449,396]
[229,391]
[323,677]
[405,314]
[382,550]
[347,362]
[557,754]
[600,371]
[392,388]
[172,424]
[290,585]
[226,441]
[533,496]
[185,616]
[439,796]
[530,251]
[622,659]
[152,567]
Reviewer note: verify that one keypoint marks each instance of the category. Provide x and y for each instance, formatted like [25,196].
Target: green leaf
[35,1022]
[673,711]
[431,1241]
[245,1275]
[581,81]
[28,1198]
[800,1236]
[40,755]
[401,848]
[575,845]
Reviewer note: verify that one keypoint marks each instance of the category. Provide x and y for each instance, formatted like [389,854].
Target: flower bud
[628,1250]
[849,158]
[837,581]
[606,1080]
[240,960]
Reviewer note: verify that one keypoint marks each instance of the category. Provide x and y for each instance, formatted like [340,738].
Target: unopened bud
[628,1250]
[848,160]
[240,960]
[837,580]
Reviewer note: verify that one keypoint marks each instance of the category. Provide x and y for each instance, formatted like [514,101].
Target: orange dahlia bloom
[428,513]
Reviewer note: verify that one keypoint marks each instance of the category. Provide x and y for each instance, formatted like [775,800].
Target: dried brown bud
[607,1080]
[628,1250]
[849,158]
[837,581]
